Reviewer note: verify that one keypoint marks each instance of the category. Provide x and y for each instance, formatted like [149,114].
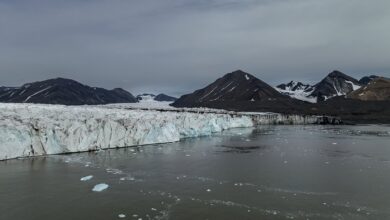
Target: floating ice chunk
[208,190]
[153,209]
[100,187]
[334,143]
[122,216]
[86,178]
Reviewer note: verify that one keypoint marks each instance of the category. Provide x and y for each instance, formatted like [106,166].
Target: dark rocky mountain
[240,91]
[164,98]
[334,84]
[377,89]
[366,79]
[66,92]
[234,86]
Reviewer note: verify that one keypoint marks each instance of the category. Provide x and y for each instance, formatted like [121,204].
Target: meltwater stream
[271,172]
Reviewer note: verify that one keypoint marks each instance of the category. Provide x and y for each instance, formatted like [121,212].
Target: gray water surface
[272,172]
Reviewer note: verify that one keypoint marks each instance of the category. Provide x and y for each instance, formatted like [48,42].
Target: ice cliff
[32,130]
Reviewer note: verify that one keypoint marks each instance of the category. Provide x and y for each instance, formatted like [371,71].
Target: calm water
[273,172]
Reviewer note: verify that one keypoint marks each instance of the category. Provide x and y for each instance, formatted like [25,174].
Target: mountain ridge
[64,91]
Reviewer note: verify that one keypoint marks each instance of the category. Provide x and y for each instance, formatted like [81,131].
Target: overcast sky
[176,46]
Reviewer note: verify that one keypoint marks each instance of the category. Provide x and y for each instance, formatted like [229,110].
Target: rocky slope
[64,91]
[366,79]
[377,89]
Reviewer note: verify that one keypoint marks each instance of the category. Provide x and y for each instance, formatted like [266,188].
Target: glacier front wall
[32,130]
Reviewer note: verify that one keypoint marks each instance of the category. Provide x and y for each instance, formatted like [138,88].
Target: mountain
[234,86]
[240,91]
[377,89]
[366,79]
[66,92]
[297,90]
[165,98]
[334,84]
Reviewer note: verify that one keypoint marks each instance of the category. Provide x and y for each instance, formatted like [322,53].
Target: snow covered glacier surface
[32,130]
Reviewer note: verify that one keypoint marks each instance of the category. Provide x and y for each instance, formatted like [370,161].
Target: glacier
[37,129]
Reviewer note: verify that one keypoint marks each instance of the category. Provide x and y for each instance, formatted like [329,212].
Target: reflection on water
[271,172]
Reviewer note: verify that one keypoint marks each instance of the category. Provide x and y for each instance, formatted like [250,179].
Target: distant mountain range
[241,91]
[336,94]
[70,92]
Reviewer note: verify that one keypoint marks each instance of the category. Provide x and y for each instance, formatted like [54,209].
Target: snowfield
[33,129]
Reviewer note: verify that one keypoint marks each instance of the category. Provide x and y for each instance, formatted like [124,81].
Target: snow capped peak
[294,86]
[297,90]
[146,97]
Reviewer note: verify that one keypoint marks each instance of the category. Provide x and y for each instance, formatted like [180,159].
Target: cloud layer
[176,46]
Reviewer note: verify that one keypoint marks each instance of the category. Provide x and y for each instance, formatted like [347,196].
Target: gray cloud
[176,46]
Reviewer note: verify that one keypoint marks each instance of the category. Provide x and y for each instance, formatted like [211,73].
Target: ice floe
[86,178]
[100,187]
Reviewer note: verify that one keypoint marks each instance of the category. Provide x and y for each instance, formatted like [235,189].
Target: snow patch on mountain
[354,86]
